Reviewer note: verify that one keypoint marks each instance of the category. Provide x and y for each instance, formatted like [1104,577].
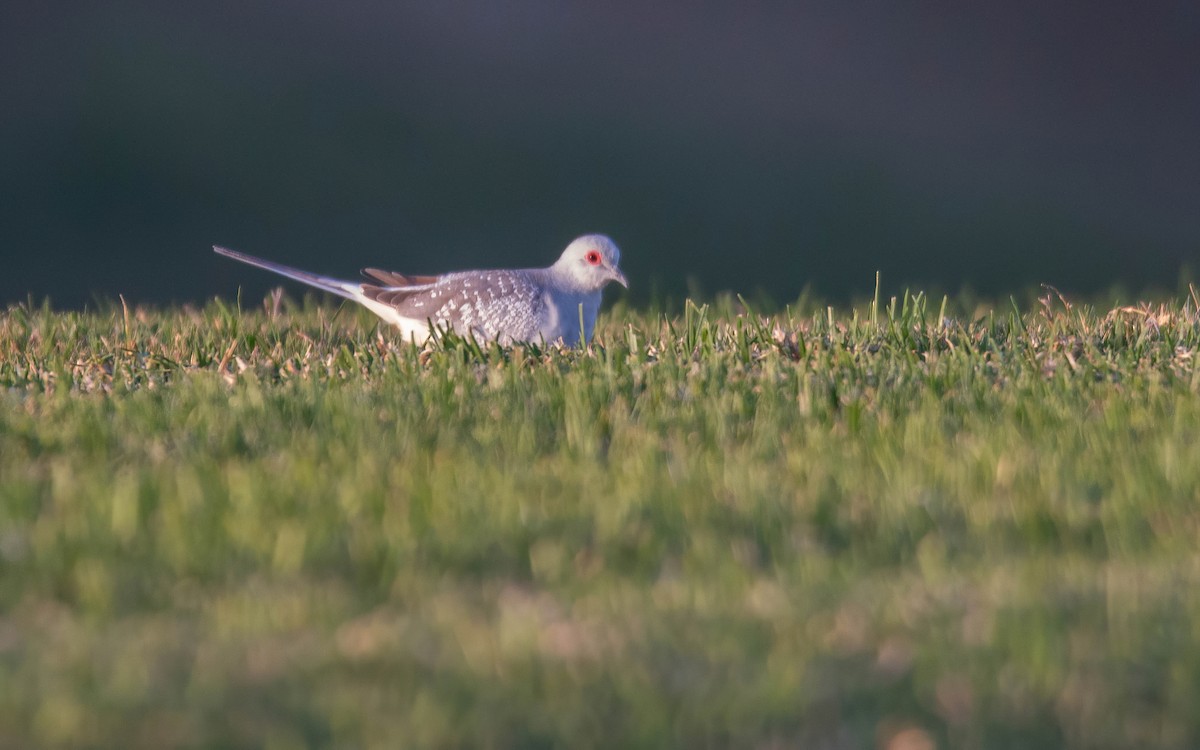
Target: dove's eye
[592,257]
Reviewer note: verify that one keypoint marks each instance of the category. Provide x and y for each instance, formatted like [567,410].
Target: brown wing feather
[389,296]
[391,278]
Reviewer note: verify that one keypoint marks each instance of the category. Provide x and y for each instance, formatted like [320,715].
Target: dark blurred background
[755,147]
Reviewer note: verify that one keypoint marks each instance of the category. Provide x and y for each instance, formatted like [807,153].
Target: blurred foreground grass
[828,530]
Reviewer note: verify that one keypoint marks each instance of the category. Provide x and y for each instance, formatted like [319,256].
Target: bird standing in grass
[526,304]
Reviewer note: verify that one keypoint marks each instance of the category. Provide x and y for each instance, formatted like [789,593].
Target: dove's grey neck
[562,275]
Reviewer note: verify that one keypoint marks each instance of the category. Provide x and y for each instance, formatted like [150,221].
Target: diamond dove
[508,305]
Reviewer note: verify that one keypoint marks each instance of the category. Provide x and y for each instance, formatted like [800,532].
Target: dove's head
[590,262]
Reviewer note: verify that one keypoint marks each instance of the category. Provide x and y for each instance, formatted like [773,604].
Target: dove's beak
[616,275]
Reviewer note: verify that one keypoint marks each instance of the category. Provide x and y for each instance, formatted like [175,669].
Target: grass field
[901,527]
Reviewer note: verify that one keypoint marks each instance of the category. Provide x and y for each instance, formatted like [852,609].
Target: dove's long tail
[347,289]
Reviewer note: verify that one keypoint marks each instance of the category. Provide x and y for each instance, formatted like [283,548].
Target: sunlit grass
[907,522]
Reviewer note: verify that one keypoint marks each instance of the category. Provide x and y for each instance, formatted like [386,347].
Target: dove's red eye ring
[593,257]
